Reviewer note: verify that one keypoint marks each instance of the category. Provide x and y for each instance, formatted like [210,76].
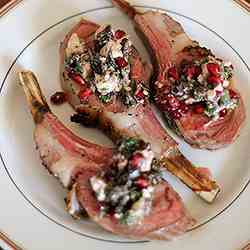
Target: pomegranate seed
[172,72]
[119,34]
[139,95]
[198,71]
[142,182]
[165,106]
[58,98]
[213,69]
[84,94]
[77,78]
[193,71]
[136,160]
[121,62]
[214,80]
[223,112]
[199,108]
[183,108]
[174,103]
[176,114]
[233,94]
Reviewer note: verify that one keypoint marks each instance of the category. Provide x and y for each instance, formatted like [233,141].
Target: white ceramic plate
[22,164]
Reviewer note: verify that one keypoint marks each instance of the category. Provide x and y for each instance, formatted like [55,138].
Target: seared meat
[212,118]
[74,161]
[166,220]
[118,120]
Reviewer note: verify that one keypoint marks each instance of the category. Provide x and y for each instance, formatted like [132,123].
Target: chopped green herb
[200,80]
[126,189]
[96,64]
[78,68]
[127,98]
[225,99]
[107,68]
[128,219]
[210,110]
[74,64]
[128,146]
[110,62]
[105,98]
[210,86]
[133,86]
[135,195]
[104,36]
[227,73]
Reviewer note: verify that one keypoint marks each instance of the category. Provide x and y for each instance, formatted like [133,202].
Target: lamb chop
[105,80]
[193,89]
[152,210]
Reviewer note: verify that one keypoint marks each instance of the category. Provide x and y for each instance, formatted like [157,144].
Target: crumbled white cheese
[114,46]
[134,174]
[211,94]
[147,192]
[148,157]
[107,83]
[116,50]
[190,101]
[98,185]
